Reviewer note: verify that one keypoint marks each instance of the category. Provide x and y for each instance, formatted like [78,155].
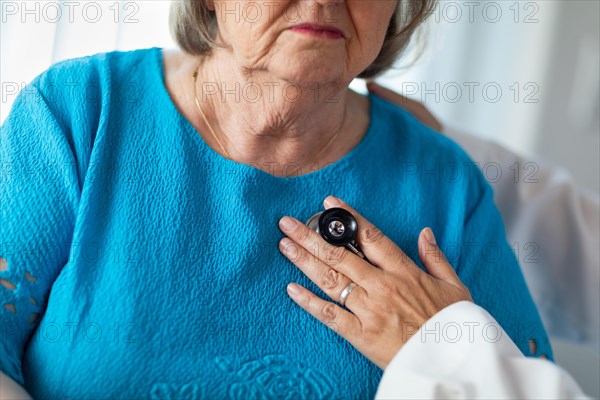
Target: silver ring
[346,292]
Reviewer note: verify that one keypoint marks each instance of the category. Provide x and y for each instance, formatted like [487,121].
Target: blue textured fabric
[145,265]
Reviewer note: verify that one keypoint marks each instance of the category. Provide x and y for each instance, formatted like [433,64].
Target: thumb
[434,259]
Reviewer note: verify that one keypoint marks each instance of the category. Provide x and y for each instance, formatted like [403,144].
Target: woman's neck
[272,124]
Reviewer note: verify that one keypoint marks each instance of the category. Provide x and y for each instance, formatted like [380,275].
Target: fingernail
[429,236]
[283,243]
[332,201]
[287,223]
[293,290]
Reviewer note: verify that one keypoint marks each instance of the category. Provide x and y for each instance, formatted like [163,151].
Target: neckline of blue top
[349,158]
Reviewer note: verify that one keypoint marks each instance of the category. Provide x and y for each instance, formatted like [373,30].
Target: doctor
[423,328]
[546,216]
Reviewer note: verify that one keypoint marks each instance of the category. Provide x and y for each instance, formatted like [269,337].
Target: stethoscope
[338,227]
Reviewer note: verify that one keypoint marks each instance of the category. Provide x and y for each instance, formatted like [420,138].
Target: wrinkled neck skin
[273,124]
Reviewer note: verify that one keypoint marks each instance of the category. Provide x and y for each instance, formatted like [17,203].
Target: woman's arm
[39,193]
[11,390]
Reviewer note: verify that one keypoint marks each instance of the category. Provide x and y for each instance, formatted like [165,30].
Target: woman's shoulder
[84,86]
[85,80]
[91,67]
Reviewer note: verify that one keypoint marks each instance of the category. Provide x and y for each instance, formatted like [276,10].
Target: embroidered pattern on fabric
[274,376]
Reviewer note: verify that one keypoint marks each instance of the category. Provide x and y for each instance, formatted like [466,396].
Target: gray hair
[194,28]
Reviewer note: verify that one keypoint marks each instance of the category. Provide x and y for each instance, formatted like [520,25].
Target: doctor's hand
[417,109]
[394,297]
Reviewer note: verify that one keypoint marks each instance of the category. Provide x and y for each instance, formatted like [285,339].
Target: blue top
[142,264]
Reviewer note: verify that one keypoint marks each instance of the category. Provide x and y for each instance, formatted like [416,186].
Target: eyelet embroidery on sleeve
[10,285]
[533,349]
[532,346]
[29,277]
[33,317]
[7,284]
[10,307]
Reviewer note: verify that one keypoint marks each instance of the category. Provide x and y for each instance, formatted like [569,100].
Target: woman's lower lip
[318,33]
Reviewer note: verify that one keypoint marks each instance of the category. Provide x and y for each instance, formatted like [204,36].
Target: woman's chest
[175,287]
[186,298]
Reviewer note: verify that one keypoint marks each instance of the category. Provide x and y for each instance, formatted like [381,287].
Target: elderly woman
[143,190]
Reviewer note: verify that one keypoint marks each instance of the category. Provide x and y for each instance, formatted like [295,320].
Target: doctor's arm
[554,223]
[548,217]
[462,352]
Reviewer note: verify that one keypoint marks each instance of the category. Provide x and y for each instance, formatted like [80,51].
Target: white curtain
[37,34]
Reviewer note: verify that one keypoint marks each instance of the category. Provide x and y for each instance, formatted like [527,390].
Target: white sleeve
[554,229]
[462,352]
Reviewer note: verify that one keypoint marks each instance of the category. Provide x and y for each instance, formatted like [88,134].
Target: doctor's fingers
[338,258]
[326,278]
[343,322]
[378,248]
[417,109]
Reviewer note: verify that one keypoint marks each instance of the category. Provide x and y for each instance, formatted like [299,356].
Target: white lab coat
[463,353]
[554,227]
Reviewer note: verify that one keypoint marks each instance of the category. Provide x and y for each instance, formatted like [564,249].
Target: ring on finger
[346,292]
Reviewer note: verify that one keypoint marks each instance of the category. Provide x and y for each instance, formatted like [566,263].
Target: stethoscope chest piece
[338,227]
